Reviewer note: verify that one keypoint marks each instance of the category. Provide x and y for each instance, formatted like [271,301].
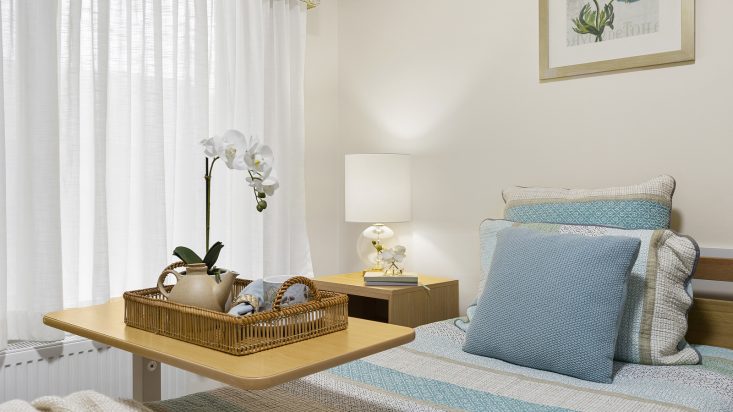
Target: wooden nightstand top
[353,284]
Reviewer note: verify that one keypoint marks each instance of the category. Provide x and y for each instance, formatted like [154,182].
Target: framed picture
[592,36]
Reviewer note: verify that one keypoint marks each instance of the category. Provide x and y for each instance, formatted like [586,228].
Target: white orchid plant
[244,153]
[239,152]
[392,257]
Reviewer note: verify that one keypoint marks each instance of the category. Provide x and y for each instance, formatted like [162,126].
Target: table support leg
[145,379]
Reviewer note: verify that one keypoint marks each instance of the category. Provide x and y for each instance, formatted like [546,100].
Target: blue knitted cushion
[553,302]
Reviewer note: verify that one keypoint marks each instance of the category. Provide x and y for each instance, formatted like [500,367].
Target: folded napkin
[249,299]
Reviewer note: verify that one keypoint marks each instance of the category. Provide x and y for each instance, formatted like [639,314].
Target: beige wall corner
[323,148]
[456,85]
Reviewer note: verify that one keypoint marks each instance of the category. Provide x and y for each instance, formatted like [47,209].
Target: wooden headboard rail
[710,321]
[715,269]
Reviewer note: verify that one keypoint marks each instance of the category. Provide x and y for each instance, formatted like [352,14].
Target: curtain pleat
[33,197]
[284,127]
[100,243]
[104,104]
[3,216]
[236,103]
[69,68]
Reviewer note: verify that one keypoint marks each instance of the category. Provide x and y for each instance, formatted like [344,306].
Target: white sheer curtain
[104,103]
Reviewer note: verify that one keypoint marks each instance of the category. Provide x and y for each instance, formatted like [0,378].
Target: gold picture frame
[685,54]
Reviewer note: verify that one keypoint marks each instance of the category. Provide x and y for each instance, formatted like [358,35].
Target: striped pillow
[644,206]
[654,321]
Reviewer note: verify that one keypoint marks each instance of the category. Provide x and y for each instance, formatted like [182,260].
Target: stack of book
[377,278]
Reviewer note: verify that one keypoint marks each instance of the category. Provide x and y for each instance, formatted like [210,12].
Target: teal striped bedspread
[433,374]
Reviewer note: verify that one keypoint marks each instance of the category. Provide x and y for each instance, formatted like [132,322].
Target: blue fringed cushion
[554,302]
[644,206]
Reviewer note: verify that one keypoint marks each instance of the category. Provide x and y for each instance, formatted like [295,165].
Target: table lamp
[377,191]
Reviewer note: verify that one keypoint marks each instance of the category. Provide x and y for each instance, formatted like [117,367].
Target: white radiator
[29,370]
[34,369]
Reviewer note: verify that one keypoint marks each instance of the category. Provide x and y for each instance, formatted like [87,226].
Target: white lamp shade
[378,188]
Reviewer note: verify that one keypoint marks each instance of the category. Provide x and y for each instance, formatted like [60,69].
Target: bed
[656,322]
[433,373]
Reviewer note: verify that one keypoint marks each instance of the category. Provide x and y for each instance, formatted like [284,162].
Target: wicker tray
[148,309]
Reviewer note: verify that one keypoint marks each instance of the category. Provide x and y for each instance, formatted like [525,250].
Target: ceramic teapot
[197,288]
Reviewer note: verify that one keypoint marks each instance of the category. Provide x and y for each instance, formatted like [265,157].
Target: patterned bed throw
[433,374]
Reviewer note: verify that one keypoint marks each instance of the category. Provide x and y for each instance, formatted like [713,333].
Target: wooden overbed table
[105,323]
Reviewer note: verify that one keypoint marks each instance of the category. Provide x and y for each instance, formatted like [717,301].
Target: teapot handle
[169,270]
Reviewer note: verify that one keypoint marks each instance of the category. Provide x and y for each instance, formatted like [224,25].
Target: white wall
[455,84]
[323,148]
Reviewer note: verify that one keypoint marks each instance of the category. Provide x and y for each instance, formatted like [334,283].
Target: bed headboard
[711,320]
[715,269]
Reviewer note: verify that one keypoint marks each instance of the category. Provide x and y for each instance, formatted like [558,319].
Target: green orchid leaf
[187,255]
[213,254]
[216,273]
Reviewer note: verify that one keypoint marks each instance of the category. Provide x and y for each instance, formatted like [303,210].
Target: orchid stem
[211,169]
[207,177]
[257,198]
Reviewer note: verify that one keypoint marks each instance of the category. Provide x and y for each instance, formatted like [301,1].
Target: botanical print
[592,21]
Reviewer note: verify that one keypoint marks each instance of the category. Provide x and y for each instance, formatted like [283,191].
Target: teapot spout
[223,289]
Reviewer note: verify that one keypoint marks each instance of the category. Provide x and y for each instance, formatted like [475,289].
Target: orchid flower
[236,146]
[387,256]
[267,185]
[259,158]
[394,255]
[399,252]
[213,146]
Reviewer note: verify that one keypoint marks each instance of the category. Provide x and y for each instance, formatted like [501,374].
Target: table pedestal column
[145,379]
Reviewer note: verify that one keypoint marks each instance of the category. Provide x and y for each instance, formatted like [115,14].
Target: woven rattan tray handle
[169,270]
[292,281]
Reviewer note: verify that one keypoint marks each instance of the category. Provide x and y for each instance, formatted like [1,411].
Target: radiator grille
[30,369]
[33,369]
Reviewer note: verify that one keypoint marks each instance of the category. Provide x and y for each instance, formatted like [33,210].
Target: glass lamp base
[370,240]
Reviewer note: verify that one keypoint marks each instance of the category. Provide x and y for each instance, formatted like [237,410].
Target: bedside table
[400,305]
